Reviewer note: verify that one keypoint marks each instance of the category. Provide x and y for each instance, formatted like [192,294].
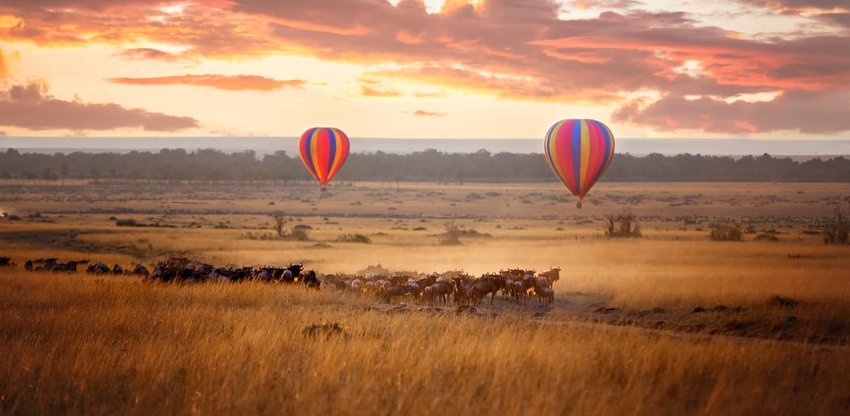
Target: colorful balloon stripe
[324,151]
[579,152]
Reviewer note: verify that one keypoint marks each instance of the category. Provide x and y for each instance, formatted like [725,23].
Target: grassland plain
[110,345]
[82,344]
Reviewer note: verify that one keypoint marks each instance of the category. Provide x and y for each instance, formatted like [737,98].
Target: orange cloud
[149,53]
[222,82]
[425,113]
[407,38]
[499,85]
[368,91]
[3,69]
[30,106]
[509,49]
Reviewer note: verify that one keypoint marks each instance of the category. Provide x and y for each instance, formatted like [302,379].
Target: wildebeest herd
[54,265]
[458,287]
[435,288]
[179,270]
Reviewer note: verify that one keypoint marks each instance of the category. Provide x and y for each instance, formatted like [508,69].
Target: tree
[64,169]
[279,221]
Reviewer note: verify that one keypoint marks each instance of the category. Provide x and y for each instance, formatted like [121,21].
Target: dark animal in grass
[141,270]
[5,261]
[69,267]
[310,280]
[98,268]
[294,272]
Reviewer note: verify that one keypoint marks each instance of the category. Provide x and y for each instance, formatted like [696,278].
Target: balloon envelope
[579,151]
[323,151]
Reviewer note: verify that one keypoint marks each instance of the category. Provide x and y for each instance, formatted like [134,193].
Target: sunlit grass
[114,345]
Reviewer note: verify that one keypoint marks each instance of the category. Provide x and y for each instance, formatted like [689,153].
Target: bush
[299,234]
[257,236]
[452,235]
[839,231]
[766,237]
[353,238]
[726,232]
[623,225]
[126,222]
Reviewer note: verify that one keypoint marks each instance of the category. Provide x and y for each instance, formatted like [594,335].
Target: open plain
[668,322]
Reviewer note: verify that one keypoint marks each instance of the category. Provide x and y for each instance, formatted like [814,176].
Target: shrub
[726,232]
[452,235]
[839,231]
[299,234]
[766,237]
[126,222]
[353,238]
[623,225]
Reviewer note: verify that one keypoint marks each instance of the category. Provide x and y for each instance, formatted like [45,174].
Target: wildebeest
[5,261]
[98,268]
[310,280]
[552,276]
[141,270]
[483,286]
[69,267]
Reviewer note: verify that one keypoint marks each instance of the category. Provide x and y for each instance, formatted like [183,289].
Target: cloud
[222,82]
[509,49]
[31,107]
[798,4]
[802,111]
[831,12]
[148,53]
[605,4]
[3,69]
[424,113]
[372,88]
[839,19]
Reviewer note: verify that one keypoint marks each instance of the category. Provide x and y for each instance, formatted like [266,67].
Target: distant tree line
[428,165]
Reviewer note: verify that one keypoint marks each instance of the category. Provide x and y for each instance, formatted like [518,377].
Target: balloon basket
[324,189]
[578,205]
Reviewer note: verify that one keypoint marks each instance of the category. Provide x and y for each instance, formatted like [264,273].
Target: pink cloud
[802,111]
[30,106]
[510,49]
[222,82]
[149,53]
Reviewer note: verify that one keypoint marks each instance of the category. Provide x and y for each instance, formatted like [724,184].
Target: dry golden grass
[81,344]
[115,345]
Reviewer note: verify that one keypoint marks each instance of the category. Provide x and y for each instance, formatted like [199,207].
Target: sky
[425,69]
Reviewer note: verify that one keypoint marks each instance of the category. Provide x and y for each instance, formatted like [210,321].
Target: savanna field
[667,322]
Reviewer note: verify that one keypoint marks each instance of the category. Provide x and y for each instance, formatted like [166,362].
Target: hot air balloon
[323,151]
[579,151]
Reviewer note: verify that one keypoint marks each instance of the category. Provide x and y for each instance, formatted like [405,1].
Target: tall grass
[79,344]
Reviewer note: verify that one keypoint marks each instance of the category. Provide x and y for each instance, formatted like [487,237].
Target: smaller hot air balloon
[323,151]
[579,152]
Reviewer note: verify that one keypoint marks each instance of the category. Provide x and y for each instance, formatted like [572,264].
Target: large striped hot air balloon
[323,151]
[579,151]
